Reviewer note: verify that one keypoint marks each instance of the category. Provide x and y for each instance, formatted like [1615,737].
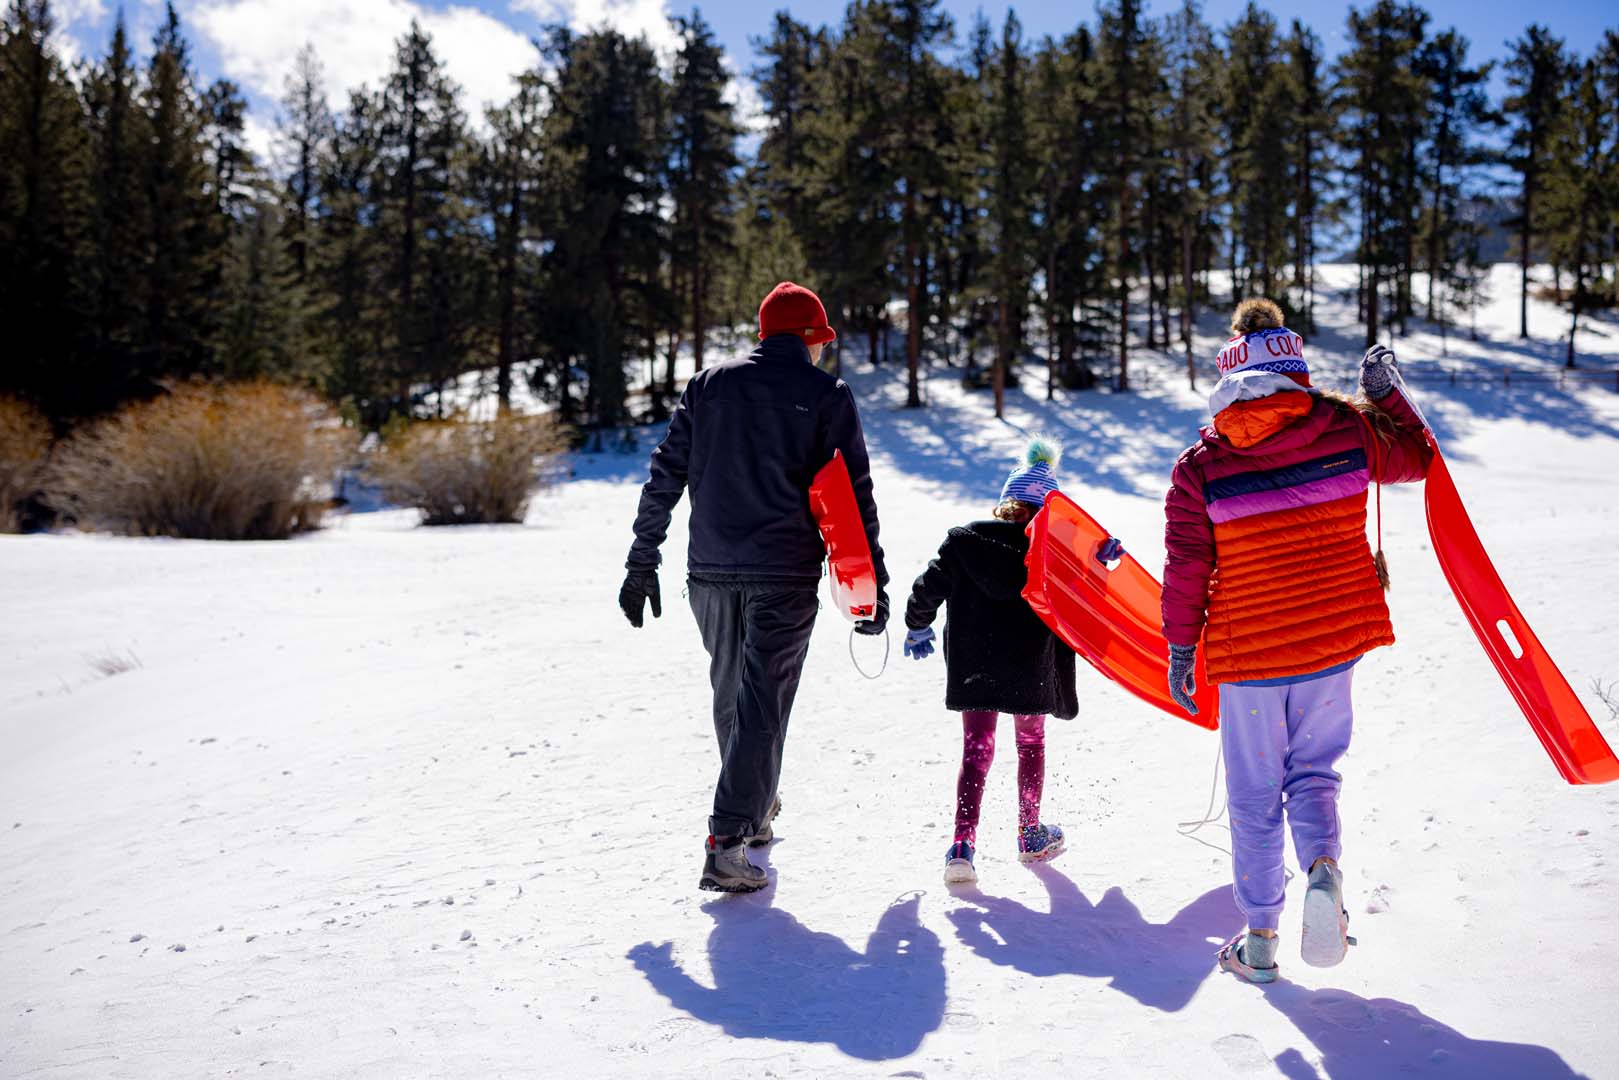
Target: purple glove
[1183,676]
[919,643]
[1110,551]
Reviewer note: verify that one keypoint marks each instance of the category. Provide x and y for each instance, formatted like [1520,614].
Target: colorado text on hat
[1267,346]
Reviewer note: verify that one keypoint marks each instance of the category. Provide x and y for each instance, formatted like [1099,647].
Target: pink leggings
[978,750]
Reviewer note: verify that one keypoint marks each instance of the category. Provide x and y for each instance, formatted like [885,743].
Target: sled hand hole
[1505,630]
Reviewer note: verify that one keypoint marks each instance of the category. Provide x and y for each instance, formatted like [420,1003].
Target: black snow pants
[757,636]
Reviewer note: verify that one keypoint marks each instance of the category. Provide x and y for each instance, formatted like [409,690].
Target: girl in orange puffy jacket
[1268,570]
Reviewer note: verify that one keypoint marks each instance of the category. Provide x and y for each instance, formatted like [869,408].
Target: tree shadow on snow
[1160,965]
[776,979]
[1126,443]
[1361,1039]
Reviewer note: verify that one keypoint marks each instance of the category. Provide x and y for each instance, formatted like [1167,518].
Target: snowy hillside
[396,802]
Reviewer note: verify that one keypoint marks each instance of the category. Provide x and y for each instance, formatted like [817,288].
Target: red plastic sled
[1112,618]
[848,552]
[1548,703]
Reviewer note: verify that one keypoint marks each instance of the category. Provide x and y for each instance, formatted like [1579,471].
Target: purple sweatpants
[978,750]
[1280,745]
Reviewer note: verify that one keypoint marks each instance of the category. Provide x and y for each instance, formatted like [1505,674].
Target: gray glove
[1182,677]
[1377,370]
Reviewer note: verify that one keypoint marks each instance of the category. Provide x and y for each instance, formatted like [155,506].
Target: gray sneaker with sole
[1325,939]
[726,868]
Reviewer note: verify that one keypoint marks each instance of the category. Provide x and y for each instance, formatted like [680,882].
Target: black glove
[879,619]
[639,587]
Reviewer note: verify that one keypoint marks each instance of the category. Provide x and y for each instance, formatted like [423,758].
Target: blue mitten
[1377,372]
[1110,551]
[1182,676]
[919,643]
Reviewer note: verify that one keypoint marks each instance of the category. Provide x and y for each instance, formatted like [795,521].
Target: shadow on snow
[1160,965]
[774,978]
[1368,1039]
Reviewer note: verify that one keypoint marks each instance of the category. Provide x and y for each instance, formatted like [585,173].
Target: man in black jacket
[746,440]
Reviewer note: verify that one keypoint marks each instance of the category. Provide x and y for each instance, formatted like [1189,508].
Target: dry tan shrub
[462,472]
[234,461]
[25,445]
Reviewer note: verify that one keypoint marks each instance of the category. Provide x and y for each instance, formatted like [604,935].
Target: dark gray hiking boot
[766,833]
[726,867]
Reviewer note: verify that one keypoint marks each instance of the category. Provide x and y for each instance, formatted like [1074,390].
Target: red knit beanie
[793,309]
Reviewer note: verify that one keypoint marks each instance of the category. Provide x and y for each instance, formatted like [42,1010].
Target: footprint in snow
[1242,1053]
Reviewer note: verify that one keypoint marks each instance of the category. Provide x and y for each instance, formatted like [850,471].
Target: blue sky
[484,42]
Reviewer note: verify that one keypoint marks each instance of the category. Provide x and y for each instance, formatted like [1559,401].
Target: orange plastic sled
[1548,703]
[1112,618]
[848,552]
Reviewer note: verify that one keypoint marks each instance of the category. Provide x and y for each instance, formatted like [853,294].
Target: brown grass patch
[460,472]
[25,446]
[235,461]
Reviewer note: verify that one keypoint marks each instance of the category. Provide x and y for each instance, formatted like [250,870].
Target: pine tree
[1049,135]
[1579,190]
[346,261]
[1458,108]
[186,238]
[906,35]
[1125,78]
[302,136]
[1536,70]
[510,176]
[119,135]
[421,205]
[852,236]
[702,167]
[1009,204]
[1309,128]
[44,214]
[1257,126]
[1077,253]
[605,152]
[262,331]
[792,54]
[224,116]
[1190,66]
[1382,95]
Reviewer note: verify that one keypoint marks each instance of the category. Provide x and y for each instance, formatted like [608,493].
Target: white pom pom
[1043,448]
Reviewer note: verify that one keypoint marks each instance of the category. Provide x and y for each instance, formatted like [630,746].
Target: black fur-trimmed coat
[999,655]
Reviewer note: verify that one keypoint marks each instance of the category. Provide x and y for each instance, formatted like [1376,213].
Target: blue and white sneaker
[958,864]
[1039,843]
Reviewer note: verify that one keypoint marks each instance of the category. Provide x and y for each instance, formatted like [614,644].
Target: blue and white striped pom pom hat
[1036,478]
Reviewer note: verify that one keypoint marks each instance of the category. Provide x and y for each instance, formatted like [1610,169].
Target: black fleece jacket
[999,656]
[746,441]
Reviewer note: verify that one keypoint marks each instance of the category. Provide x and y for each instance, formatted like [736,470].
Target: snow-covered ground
[389,801]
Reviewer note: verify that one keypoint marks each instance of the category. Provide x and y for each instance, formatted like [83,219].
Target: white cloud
[743,95]
[259,137]
[257,41]
[68,12]
[632,18]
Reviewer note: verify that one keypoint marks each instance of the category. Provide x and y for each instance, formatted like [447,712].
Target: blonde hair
[1256,314]
[1381,423]
[1015,510]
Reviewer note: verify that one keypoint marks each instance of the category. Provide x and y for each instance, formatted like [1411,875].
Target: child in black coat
[999,657]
